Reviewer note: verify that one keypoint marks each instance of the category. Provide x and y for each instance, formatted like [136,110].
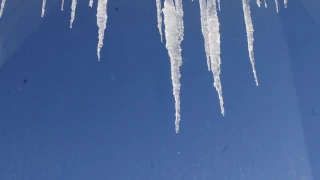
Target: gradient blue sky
[80,119]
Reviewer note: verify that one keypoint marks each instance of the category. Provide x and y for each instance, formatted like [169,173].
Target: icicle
[218,4]
[159,16]
[90,3]
[258,3]
[43,8]
[179,11]
[285,3]
[214,47]
[277,5]
[180,26]
[101,22]
[204,29]
[249,29]
[3,3]
[174,29]
[73,11]
[62,4]
[265,4]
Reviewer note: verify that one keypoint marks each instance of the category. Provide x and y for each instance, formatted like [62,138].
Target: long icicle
[180,26]
[250,39]
[204,29]
[73,11]
[159,17]
[214,47]
[102,23]
[174,28]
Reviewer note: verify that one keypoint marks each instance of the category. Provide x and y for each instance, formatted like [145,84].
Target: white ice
[43,8]
[3,3]
[250,39]
[214,48]
[62,4]
[174,29]
[102,23]
[73,11]
[159,16]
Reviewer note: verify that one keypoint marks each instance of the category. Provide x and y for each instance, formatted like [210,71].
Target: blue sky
[77,118]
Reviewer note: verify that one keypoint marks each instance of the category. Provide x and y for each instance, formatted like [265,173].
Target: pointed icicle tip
[218,1]
[101,23]
[259,3]
[285,3]
[3,3]
[277,5]
[159,17]
[73,11]
[250,38]
[43,8]
[62,4]
[265,4]
[174,31]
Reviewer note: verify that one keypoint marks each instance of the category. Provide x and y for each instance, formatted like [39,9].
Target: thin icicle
[285,3]
[258,3]
[179,11]
[102,23]
[174,29]
[43,8]
[265,4]
[250,39]
[73,11]
[180,28]
[62,4]
[90,3]
[214,46]
[204,29]
[3,3]
[159,16]
[277,5]
[219,4]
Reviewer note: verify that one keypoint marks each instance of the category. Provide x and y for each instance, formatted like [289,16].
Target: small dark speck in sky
[224,149]
[152,165]
[117,9]
[24,83]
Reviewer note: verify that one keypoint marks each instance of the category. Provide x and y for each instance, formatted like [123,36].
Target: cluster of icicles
[172,13]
